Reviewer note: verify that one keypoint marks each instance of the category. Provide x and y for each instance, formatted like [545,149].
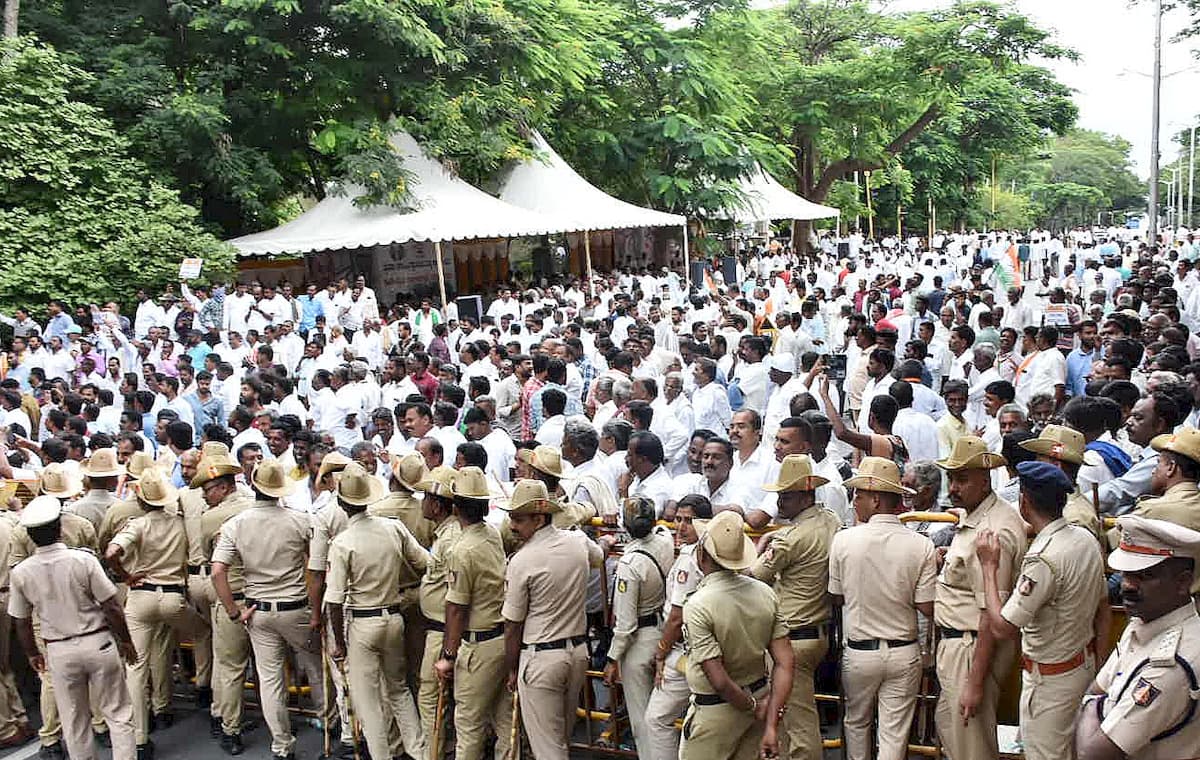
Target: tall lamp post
[1155,109]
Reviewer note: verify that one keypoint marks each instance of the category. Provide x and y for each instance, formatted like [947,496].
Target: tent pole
[437,251]
[587,257]
[687,261]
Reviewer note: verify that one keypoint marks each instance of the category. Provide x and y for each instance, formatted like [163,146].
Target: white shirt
[657,487]
[501,452]
[551,431]
[1045,371]
[753,473]
[450,439]
[711,407]
[919,433]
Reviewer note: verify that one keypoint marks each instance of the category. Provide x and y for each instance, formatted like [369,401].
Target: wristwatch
[448,655]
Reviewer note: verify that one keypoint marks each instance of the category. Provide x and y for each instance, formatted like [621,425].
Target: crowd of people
[698,488]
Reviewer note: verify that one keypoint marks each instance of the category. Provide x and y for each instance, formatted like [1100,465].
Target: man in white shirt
[710,401]
[1043,372]
[753,465]
[918,431]
[645,458]
[499,446]
[149,314]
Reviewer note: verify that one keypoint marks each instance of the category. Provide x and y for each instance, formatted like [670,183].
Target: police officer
[438,508]
[14,724]
[545,641]
[670,697]
[156,604]
[637,611]
[1053,609]
[881,662]
[75,532]
[81,620]
[367,563]
[272,543]
[102,471]
[970,661]
[730,624]
[1173,482]
[795,560]
[403,503]
[1065,448]
[473,646]
[216,480]
[1143,703]
[199,597]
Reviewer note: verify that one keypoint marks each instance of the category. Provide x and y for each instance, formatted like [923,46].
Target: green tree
[944,90]
[243,104]
[80,219]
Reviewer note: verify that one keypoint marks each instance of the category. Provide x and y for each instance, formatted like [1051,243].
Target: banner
[189,269]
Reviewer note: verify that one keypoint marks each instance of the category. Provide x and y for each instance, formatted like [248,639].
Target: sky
[1115,42]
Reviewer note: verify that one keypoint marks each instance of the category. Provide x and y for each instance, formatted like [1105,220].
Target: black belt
[166,588]
[77,636]
[434,625]
[558,643]
[869,645]
[807,632]
[393,609]
[261,606]
[478,637]
[647,621]
[238,596]
[198,569]
[954,633]
[717,699]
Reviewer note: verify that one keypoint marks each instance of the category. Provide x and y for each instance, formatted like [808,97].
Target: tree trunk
[12,10]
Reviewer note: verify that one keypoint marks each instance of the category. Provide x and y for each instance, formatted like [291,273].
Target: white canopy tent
[546,184]
[766,199]
[446,208]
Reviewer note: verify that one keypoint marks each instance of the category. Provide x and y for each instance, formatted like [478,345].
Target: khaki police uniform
[883,571]
[405,507]
[1059,587]
[960,598]
[735,618]
[637,621]
[546,590]
[475,580]
[1150,706]
[796,564]
[93,505]
[13,720]
[271,542]
[669,700]
[155,547]
[368,562]
[230,639]
[328,522]
[199,584]
[433,608]
[77,533]
[65,588]
[1180,505]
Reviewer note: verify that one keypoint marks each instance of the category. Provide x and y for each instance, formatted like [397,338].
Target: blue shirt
[1079,366]
[58,326]
[311,308]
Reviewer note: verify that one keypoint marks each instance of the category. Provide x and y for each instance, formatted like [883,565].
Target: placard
[189,269]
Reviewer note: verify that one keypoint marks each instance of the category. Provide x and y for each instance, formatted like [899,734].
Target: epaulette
[1168,646]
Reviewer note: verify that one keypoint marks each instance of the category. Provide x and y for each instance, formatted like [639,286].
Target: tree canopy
[80,217]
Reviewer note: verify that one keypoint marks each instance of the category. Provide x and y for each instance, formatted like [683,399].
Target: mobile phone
[836,367]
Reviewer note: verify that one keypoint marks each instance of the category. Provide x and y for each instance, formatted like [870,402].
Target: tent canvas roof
[447,208]
[767,199]
[547,184]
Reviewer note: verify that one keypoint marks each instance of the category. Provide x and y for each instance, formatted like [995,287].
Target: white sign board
[189,269]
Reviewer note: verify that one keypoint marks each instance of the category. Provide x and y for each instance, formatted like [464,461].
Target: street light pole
[1155,109]
[1191,177]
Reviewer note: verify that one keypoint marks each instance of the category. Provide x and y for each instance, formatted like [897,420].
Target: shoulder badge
[1144,693]
[681,577]
[1026,585]
[1168,646]
[622,586]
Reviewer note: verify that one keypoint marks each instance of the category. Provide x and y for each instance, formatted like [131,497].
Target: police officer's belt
[1057,668]
[647,621]
[478,637]
[198,569]
[375,611]
[869,645]
[558,643]
[167,588]
[297,604]
[807,632]
[717,699]
[954,633]
[77,636]
[435,625]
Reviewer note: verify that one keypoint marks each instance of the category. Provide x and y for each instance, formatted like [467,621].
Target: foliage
[242,104]
[941,90]
[80,218]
